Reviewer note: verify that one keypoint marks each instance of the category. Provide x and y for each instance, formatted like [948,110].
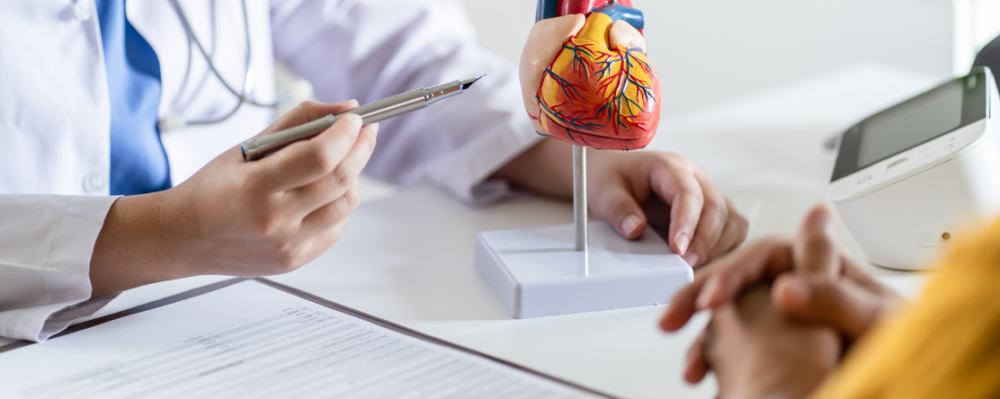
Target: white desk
[407,257]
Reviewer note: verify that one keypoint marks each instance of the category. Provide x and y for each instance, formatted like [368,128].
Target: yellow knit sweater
[946,345]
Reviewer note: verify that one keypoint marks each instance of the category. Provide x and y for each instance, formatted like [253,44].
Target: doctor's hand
[240,218]
[703,224]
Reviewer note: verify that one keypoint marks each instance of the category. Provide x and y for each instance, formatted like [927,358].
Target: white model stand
[549,271]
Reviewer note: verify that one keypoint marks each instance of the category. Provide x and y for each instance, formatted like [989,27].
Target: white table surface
[407,256]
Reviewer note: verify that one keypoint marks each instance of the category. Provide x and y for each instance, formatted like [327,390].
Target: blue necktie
[138,161]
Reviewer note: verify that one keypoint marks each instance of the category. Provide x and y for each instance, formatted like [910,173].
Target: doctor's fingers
[675,183]
[325,240]
[306,248]
[308,111]
[331,214]
[733,234]
[306,161]
[711,223]
[615,204]
[328,188]
[724,279]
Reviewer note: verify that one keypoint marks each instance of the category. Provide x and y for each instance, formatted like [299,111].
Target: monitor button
[924,154]
[897,166]
[930,238]
[864,179]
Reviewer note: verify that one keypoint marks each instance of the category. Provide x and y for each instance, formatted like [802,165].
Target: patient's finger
[850,270]
[849,307]
[695,363]
[815,251]
[723,280]
[725,285]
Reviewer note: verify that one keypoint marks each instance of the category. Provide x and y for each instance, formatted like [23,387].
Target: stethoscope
[175,121]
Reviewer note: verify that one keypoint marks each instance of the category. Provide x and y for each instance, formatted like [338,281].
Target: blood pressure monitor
[905,177]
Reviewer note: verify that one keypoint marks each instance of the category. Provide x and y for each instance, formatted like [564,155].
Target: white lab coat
[55,115]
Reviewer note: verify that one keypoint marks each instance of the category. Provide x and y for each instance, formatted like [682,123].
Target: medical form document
[250,338]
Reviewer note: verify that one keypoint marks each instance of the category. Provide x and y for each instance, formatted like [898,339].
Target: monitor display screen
[939,111]
[924,118]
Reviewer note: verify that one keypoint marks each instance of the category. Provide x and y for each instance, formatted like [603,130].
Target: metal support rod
[580,196]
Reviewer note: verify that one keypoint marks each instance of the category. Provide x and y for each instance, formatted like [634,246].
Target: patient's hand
[812,281]
[756,352]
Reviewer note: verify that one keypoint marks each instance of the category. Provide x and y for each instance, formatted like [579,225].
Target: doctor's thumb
[619,208]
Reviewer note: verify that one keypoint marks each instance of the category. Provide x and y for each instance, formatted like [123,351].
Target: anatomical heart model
[586,81]
[585,77]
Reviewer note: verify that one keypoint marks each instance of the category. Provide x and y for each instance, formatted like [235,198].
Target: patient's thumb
[815,250]
[845,305]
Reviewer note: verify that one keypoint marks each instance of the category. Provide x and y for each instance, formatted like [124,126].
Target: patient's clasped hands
[784,312]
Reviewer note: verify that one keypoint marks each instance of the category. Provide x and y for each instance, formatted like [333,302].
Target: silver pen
[259,147]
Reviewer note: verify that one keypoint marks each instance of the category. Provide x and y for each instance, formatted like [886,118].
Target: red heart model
[586,79]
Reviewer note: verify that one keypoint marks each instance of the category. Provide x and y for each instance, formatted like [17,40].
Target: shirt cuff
[48,254]
[67,316]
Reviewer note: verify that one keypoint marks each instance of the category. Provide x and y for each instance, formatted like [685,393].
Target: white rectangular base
[536,272]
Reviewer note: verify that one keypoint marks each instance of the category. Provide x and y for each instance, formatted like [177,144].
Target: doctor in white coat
[100,99]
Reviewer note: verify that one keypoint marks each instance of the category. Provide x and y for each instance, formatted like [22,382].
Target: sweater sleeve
[946,345]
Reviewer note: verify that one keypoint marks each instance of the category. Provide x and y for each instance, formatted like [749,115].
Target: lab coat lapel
[190,90]
[54,111]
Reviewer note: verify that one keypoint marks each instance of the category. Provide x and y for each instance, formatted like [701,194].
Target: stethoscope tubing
[248,77]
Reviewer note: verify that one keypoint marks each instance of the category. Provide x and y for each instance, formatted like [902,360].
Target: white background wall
[711,50]
[708,51]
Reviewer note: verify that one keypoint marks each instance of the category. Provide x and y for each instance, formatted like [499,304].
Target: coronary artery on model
[586,79]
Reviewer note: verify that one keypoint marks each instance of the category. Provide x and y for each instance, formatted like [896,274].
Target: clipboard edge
[133,310]
[311,298]
[419,335]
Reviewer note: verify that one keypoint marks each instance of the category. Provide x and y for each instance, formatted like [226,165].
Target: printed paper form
[250,340]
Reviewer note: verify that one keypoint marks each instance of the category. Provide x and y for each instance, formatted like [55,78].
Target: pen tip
[468,83]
